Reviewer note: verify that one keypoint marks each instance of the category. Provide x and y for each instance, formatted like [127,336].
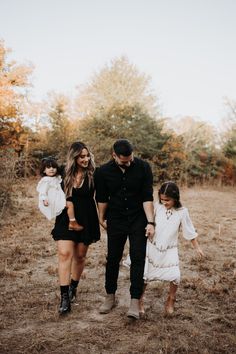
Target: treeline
[116,103]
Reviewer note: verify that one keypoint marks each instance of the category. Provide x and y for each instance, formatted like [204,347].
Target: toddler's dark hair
[171,190]
[49,162]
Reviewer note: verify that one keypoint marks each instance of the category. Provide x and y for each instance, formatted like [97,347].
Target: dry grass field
[205,317]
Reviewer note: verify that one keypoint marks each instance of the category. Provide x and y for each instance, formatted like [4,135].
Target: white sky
[186,46]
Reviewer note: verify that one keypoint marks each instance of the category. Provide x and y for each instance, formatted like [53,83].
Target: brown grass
[204,320]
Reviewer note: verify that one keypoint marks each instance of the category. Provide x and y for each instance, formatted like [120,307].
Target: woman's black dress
[85,214]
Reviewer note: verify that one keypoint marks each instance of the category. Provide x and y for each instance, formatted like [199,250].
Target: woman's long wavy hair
[71,168]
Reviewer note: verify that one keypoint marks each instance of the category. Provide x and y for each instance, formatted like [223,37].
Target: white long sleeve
[49,188]
[189,231]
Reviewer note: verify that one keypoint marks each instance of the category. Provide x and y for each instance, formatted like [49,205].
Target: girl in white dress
[162,260]
[52,199]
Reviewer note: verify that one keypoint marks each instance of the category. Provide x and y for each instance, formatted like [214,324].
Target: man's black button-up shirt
[126,191]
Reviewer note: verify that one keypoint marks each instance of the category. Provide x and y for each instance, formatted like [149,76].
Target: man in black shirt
[124,194]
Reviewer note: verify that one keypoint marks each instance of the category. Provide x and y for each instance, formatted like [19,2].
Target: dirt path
[204,320]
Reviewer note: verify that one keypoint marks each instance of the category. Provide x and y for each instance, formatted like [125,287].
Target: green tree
[61,131]
[130,122]
[229,145]
[118,103]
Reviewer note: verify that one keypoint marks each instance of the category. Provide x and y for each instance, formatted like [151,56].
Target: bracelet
[151,223]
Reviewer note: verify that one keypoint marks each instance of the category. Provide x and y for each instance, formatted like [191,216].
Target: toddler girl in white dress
[52,199]
[51,196]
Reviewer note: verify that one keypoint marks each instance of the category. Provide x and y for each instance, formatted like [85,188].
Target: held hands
[103,223]
[45,203]
[150,230]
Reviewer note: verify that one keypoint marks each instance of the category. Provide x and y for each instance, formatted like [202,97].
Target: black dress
[85,214]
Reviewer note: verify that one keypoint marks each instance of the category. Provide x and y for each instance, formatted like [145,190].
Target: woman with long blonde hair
[73,245]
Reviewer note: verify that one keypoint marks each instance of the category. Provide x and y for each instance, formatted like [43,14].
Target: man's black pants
[118,231]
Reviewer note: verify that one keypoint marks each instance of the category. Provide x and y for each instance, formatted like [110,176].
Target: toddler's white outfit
[49,188]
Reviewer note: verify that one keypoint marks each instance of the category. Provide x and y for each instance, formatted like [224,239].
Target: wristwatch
[151,223]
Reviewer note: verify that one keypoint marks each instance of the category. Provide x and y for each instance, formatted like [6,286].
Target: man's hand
[45,202]
[103,223]
[150,231]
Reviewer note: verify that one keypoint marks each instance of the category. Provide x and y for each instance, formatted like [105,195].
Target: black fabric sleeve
[101,192]
[147,192]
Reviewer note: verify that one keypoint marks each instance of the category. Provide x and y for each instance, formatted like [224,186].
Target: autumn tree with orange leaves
[14,80]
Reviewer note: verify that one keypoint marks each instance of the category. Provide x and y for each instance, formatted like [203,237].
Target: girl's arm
[195,244]
[42,189]
[189,231]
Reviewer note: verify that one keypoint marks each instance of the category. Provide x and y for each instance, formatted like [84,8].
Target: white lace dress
[49,188]
[162,260]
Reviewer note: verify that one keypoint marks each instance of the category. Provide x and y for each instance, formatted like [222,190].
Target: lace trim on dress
[162,249]
[154,264]
[147,280]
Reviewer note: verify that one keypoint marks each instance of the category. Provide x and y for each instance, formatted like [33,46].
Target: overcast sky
[186,46]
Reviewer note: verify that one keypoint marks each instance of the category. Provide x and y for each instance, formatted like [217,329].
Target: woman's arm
[102,207]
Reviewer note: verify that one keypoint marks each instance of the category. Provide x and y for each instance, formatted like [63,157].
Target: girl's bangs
[49,164]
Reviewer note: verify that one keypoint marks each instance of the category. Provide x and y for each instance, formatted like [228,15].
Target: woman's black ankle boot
[73,289]
[65,300]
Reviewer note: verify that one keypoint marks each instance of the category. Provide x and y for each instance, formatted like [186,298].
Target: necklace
[79,180]
[168,213]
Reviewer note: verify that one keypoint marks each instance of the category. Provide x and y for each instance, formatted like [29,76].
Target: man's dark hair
[122,147]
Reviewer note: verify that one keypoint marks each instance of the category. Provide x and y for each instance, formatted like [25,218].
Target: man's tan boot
[108,304]
[134,309]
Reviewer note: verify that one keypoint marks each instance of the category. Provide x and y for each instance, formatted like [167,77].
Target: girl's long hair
[171,190]
[71,168]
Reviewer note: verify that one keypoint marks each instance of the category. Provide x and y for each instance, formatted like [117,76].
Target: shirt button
[127,208]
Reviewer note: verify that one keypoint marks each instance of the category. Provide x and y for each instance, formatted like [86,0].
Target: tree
[14,79]
[117,84]
[118,103]
[229,145]
[169,163]
[130,122]
[61,131]
[199,147]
